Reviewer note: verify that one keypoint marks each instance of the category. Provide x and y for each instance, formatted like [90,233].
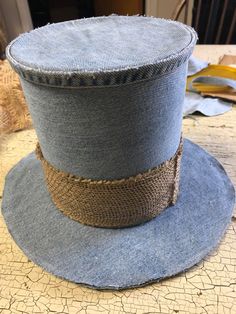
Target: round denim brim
[121,258]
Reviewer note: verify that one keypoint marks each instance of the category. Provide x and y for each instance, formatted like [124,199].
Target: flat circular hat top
[103,44]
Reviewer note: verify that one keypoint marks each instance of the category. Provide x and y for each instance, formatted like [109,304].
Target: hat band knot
[114,203]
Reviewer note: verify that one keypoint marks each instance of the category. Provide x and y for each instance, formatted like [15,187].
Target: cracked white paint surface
[209,287]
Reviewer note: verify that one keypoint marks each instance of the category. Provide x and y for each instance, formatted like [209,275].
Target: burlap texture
[14,114]
[114,203]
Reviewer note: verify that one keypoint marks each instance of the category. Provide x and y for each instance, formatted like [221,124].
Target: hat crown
[106,93]
[142,46]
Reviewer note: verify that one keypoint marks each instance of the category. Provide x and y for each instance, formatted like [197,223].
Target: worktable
[209,287]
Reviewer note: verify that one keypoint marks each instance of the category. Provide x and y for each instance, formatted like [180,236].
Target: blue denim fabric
[120,258]
[109,132]
[108,103]
[208,106]
[106,99]
[195,65]
[100,51]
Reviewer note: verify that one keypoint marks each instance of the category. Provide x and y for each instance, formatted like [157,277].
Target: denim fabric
[120,258]
[101,51]
[109,132]
[108,103]
[106,96]
[195,65]
[208,106]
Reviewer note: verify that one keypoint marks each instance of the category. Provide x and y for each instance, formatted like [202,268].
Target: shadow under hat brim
[121,258]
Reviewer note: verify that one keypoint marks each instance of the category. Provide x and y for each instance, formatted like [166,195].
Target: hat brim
[121,258]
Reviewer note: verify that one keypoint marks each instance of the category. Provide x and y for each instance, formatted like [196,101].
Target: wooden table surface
[209,287]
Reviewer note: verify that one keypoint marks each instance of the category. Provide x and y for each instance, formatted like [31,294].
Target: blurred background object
[14,113]
[15,18]
[2,43]
[51,11]
[215,21]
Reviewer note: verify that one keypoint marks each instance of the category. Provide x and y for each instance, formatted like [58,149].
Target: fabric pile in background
[14,114]
[216,81]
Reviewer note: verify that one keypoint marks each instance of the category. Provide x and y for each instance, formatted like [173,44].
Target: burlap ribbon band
[114,203]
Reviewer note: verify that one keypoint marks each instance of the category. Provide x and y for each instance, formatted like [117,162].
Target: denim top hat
[105,95]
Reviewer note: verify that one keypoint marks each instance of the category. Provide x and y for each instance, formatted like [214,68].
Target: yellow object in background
[213,70]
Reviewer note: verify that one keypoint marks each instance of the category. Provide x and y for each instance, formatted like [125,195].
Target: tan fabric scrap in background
[14,114]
